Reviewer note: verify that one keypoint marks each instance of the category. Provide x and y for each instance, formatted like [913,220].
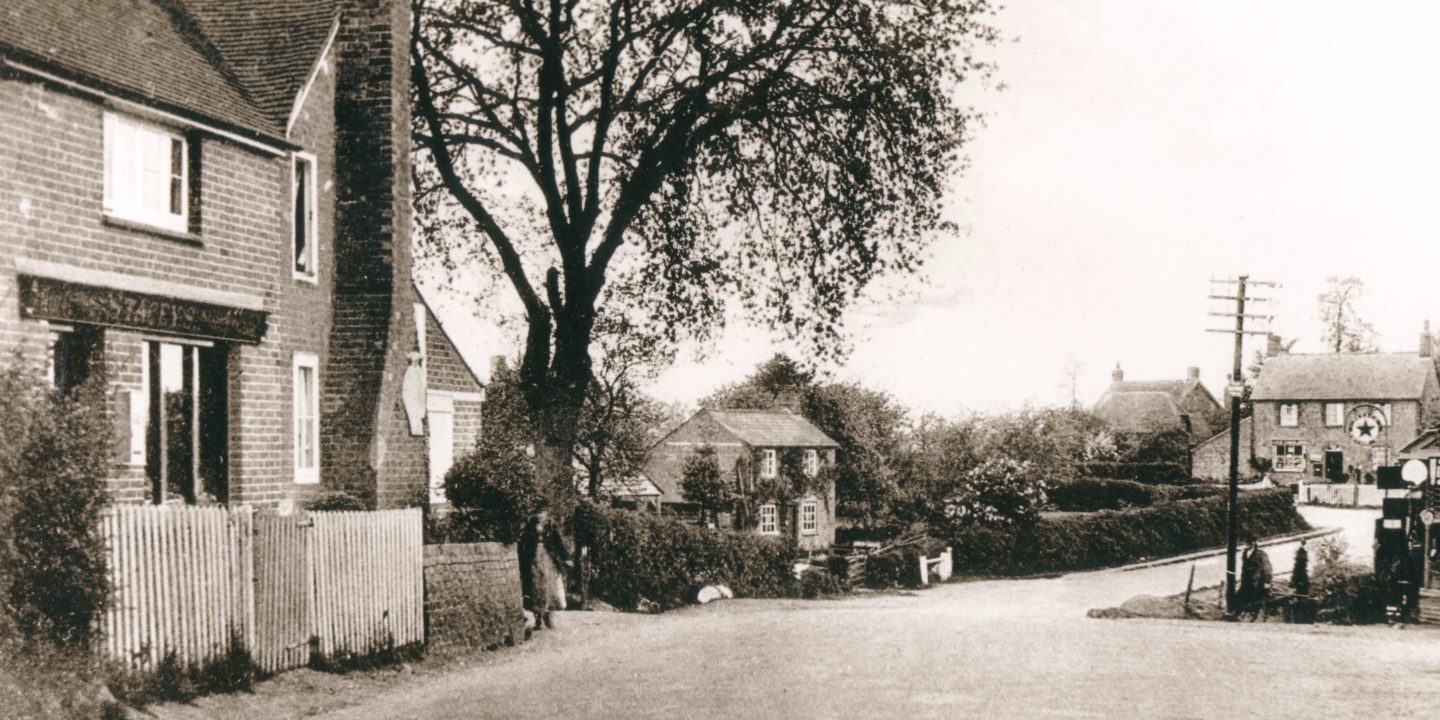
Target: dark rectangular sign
[46,299]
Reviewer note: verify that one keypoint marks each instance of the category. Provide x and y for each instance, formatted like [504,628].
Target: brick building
[754,446]
[1145,406]
[1334,416]
[204,204]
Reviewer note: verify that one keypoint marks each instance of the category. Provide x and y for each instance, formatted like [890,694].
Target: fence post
[924,571]
[947,565]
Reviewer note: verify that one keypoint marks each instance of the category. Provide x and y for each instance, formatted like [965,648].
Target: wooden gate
[284,595]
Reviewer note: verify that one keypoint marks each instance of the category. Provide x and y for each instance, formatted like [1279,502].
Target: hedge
[1092,494]
[1118,537]
[665,560]
[1159,472]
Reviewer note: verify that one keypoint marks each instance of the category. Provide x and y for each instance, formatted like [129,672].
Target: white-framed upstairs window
[812,463]
[769,520]
[768,464]
[303,231]
[1289,414]
[146,173]
[307,418]
[1334,414]
[1289,457]
[809,512]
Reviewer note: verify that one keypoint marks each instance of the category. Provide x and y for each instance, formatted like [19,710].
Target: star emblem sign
[1366,428]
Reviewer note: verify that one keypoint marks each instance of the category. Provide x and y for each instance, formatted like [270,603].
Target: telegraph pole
[1241,287]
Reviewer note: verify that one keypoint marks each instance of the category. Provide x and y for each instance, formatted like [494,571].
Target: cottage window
[146,174]
[1289,457]
[1334,414]
[808,513]
[1289,415]
[769,520]
[302,194]
[307,418]
[812,463]
[768,464]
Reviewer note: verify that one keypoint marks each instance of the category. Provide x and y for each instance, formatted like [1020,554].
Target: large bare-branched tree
[673,160]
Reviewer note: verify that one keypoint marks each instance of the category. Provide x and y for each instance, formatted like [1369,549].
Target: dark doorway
[186,438]
[1335,466]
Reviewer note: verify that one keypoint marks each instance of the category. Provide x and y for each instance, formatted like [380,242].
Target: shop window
[1289,457]
[1289,415]
[146,173]
[307,418]
[186,435]
[808,514]
[303,230]
[769,520]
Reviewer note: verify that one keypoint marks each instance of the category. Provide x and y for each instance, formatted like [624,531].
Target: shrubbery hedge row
[638,555]
[1156,472]
[1117,537]
[1091,494]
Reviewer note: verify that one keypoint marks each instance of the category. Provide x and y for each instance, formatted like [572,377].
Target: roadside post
[1236,390]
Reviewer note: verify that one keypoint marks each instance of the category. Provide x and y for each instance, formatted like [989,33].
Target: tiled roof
[1177,389]
[271,45]
[234,62]
[1223,436]
[771,428]
[1364,376]
[1426,446]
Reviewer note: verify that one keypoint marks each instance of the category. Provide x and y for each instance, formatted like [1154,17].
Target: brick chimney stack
[1192,374]
[368,446]
[1427,341]
[1117,375]
[1273,346]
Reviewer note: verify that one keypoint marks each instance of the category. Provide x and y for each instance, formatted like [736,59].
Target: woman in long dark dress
[543,557]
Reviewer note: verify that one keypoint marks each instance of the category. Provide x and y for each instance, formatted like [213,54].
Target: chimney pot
[1427,341]
[1273,346]
[1117,375]
[1192,374]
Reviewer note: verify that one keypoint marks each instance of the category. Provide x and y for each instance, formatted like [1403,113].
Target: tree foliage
[1344,330]
[667,157]
[54,458]
[702,483]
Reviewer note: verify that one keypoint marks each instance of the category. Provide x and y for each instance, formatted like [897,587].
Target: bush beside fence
[1153,472]
[1117,537]
[635,555]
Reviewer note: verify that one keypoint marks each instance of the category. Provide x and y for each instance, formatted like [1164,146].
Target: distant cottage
[1146,406]
[754,446]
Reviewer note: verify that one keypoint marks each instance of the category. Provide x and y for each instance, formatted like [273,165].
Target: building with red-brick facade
[205,204]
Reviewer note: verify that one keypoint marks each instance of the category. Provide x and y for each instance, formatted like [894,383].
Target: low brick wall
[472,596]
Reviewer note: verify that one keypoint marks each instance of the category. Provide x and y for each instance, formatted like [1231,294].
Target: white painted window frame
[306,475]
[812,463]
[809,518]
[312,221]
[769,463]
[118,124]
[768,519]
[1337,420]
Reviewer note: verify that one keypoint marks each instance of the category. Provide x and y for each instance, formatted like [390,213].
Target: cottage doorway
[1335,466]
[186,436]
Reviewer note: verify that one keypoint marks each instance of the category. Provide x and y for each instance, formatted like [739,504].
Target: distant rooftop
[771,428]
[1356,376]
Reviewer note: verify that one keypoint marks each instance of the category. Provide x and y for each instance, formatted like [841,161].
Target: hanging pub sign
[60,301]
[1365,423]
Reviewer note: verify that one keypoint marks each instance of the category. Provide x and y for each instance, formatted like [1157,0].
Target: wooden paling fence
[193,580]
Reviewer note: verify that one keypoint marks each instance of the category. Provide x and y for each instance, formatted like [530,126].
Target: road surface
[1004,648]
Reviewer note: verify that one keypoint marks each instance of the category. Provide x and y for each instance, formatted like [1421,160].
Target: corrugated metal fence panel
[281,598]
[174,570]
[369,579]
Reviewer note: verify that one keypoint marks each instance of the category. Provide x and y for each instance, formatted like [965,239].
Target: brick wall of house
[1316,438]
[472,596]
[1210,460]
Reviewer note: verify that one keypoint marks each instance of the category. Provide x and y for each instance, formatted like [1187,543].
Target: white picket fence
[190,580]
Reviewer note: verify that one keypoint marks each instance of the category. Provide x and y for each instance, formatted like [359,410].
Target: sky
[1136,150]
